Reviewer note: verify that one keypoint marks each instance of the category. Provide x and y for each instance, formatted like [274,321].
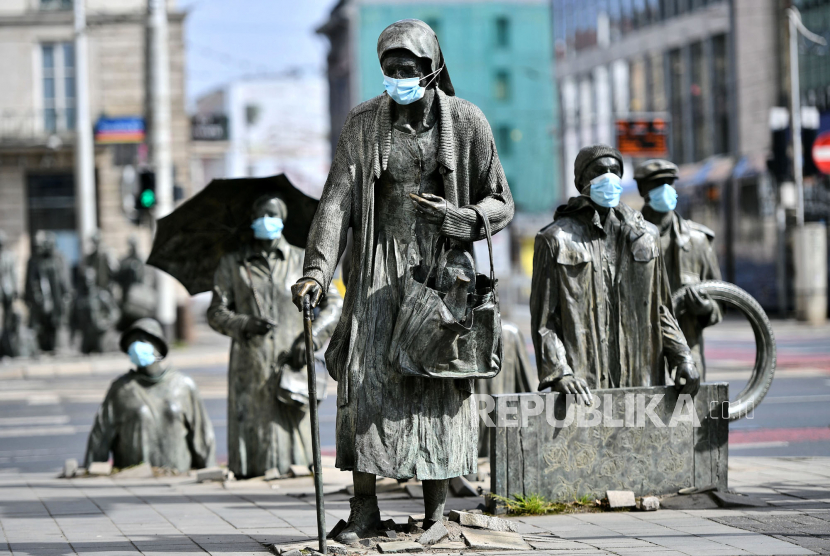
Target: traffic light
[145,199]
[808,137]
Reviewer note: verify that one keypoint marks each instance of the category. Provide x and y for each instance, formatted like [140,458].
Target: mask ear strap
[434,75]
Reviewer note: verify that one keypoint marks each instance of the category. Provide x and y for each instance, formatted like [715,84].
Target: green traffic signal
[148,198]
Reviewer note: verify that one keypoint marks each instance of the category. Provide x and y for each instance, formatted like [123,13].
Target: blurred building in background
[499,56]
[37,117]
[714,71]
[263,126]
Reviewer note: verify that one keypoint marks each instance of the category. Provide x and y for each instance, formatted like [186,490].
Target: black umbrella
[192,239]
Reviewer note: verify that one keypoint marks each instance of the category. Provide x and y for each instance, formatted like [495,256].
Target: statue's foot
[364,519]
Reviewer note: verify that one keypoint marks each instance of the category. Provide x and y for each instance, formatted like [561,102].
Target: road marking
[31,421]
[753,445]
[41,431]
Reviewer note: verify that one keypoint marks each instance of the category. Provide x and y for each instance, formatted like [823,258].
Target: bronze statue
[153,414]
[93,313]
[101,262]
[46,291]
[600,304]
[131,269]
[252,304]
[408,165]
[8,293]
[687,251]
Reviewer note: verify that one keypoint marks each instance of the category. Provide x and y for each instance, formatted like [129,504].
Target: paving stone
[272,474]
[434,534]
[70,467]
[620,499]
[399,547]
[99,468]
[452,546]
[462,487]
[650,504]
[729,500]
[141,471]
[299,471]
[700,501]
[481,521]
[210,474]
[494,540]
[390,534]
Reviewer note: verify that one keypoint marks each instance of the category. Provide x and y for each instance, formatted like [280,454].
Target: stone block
[620,499]
[701,501]
[70,467]
[389,524]
[729,500]
[99,468]
[647,440]
[399,547]
[462,487]
[336,549]
[140,471]
[290,552]
[390,534]
[300,471]
[650,504]
[272,474]
[210,474]
[434,534]
[494,540]
[481,521]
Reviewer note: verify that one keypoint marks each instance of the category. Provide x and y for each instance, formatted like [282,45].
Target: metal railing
[35,126]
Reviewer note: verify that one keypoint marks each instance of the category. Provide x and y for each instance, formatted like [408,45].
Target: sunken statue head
[655,182]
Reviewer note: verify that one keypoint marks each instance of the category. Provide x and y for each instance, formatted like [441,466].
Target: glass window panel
[70,118]
[700,89]
[69,87]
[720,92]
[676,105]
[503,142]
[68,55]
[502,32]
[49,88]
[48,56]
[50,120]
[502,85]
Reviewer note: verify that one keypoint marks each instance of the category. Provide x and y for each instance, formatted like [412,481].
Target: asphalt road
[43,422]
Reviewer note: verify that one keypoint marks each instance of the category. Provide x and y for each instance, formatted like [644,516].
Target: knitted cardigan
[472,174]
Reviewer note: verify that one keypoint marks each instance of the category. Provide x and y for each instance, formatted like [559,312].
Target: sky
[229,39]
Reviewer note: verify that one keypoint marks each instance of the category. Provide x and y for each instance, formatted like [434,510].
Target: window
[504,142]
[58,62]
[720,94]
[502,32]
[502,85]
[676,105]
[701,88]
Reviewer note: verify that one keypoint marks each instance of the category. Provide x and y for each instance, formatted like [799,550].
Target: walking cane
[308,316]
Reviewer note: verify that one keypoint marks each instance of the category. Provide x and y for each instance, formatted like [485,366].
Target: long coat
[161,421]
[693,261]
[471,174]
[263,432]
[572,314]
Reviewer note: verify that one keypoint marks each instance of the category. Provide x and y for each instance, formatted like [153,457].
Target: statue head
[39,243]
[3,239]
[95,240]
[134,342]
[409,48]
[49,244]
[89,279]
[594,161]
[267,218]
[132,246]
[655,182]
[269,205]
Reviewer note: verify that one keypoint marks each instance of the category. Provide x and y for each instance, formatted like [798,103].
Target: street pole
[795,119]
[160,143]
[84,154]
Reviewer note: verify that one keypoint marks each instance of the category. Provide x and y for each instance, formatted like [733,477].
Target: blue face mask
[142,354]
[409,90]
[267,227]
[663,198]
[606,190]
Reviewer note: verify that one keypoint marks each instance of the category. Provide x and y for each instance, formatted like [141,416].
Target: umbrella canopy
[192,239]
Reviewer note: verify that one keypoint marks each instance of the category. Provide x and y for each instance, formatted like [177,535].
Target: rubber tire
[765,352]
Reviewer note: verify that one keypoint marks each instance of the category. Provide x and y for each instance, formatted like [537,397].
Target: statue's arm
[712,272]
[329,230]
[221,313]
[200,438]
[103,432]
[330,308]
[675,347]
[493,195]
[551,360]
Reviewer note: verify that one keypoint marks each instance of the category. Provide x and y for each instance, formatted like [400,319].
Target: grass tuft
[536,504]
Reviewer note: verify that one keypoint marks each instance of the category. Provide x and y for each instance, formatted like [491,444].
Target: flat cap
[655,168]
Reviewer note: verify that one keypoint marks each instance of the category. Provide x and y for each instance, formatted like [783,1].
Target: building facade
[37,118]
[712,69]
[499,56]
[264,126]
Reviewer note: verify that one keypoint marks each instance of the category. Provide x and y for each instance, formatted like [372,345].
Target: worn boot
[435,496]
[364,519]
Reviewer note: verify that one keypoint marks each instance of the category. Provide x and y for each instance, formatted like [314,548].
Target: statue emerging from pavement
[252,304]
[152,414]
[687,251]
[8,293]
[407,165]
[131,269]
[47,290]
[93,313]
[100,262]
[600,303]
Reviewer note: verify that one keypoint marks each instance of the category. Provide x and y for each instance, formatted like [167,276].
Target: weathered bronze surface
[689,257]
[101,262]
[568,461]
[93,313]
[152,414]
[601,313]
[402,175]
[8,293]
[252,304]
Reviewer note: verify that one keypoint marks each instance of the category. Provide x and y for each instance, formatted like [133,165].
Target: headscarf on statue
[417,37]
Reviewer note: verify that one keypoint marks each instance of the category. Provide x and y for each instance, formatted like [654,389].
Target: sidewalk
[43,515]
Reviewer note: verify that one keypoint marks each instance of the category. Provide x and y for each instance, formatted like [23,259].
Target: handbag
[292,388]
[428,341]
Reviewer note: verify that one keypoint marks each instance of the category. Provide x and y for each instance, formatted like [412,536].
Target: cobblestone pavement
[44,515]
